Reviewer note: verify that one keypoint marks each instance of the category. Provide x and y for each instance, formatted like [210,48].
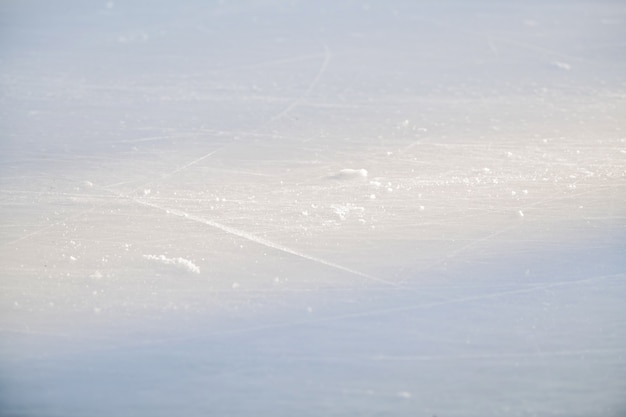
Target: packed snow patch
[180,262]
[349,174]
[344,210]
[561,65]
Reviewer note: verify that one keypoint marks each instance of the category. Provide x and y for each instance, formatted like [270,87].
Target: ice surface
[288,208]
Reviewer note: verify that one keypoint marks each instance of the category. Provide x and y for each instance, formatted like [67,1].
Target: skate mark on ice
[259,240]
[168,174]
[423,306]
[48,227]
[460,250]
[184,167]
[383,312]
[471,356]
[493,41]
[263,64]
[309,90]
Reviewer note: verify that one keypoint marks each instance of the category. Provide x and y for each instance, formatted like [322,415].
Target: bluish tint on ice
[312,208]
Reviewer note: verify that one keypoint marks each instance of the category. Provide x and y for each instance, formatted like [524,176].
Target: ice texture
[290,208]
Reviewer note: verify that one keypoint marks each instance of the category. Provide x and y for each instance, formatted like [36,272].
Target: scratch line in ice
[308,91]
[195,161]
[261,241]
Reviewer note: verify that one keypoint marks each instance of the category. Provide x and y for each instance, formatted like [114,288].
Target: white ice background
[313,208]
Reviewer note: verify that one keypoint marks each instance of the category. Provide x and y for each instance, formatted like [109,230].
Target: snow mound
[180,262]
[344,210]
[349,174]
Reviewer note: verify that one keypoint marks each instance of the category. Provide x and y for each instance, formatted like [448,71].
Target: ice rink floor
[333,208]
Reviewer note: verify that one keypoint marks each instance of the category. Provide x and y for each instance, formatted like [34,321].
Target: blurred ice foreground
[312,208]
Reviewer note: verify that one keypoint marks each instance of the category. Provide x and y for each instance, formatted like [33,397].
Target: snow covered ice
[340,208]
[182,262]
